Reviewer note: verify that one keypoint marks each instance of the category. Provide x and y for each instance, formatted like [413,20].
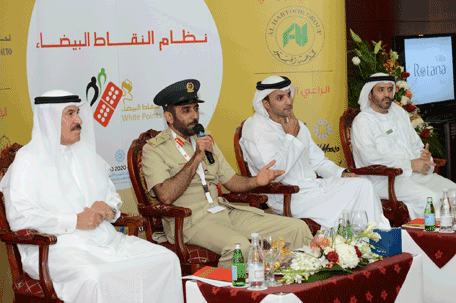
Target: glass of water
[359,222]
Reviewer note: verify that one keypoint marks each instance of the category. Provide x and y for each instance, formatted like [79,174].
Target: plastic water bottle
[446,217]
[256,263]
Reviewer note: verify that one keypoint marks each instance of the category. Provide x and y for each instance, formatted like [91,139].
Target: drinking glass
[359,222]
[452,197]
[272,249]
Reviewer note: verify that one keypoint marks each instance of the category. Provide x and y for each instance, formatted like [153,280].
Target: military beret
[179,93]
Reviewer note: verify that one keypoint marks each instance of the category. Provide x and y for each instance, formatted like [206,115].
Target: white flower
[404,100]
[394,55]
[338,240]
[356,60]
[347,256]
[401,68]
[327,250]
[403,84]
[417,122]
[375,237]
[370,227]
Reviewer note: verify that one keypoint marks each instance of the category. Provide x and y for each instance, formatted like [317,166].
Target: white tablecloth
[411,291]
[438,283]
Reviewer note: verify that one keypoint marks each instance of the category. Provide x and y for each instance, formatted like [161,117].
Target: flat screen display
[429,60]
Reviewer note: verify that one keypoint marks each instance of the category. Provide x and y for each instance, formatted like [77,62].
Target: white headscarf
[261,94]
[363,100]
[44,153]
[258,124]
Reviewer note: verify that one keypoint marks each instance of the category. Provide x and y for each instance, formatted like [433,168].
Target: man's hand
[425,153]
[103,209]
[266,175]
[203,144]
[292,126]
[88,219]
[348,175]
[421,166]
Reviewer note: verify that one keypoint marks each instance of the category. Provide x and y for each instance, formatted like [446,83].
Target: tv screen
[429,60]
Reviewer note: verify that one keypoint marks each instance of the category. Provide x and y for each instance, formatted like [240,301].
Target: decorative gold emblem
[190,87]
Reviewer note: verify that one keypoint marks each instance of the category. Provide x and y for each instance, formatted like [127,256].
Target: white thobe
[320,199]
[99,265]
[390,140]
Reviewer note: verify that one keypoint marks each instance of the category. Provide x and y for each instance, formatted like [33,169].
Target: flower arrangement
[318,262]
[367,61]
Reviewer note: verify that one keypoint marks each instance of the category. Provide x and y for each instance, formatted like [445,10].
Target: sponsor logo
[329,149]
[428,70]
[120,155]
[323,129]
[295,35]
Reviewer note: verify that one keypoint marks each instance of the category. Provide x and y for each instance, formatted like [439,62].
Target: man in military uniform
[178,172]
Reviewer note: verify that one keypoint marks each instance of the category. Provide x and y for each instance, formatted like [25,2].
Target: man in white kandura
[383,134]
[58,185]
[274,133]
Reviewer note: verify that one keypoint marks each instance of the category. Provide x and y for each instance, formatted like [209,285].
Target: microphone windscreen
[198,128]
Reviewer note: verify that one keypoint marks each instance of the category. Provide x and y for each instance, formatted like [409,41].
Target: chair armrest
[27,236]
[378,170]
[382,170]
[132,222]
[276,188]
[162,210]
[125,219]
[440,162]
[253,200]
[33,237]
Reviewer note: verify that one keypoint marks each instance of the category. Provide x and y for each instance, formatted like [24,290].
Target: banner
[118,56]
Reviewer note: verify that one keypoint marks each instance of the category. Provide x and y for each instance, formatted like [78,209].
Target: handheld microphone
[199,129]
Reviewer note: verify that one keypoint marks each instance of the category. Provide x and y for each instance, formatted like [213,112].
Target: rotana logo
[295,35]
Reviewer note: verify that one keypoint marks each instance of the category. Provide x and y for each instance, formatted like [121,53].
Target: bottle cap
[254,235]
[237,246]
[429,198]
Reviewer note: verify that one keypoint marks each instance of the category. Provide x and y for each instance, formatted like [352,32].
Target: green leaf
[378,46]
[354,36]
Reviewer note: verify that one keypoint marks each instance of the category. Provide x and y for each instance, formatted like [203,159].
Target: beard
[186,130]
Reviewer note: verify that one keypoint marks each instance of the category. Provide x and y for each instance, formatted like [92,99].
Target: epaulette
[158,139]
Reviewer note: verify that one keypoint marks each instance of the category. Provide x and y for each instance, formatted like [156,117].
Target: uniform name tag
[389,131]
[216,209]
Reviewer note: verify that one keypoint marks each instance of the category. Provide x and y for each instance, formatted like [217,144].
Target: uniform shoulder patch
[158,139]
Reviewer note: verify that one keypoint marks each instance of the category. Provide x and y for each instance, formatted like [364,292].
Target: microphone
[199,129]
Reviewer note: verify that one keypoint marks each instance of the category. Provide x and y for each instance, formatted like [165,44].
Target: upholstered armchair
[192,257]
[25,288]
[273,188]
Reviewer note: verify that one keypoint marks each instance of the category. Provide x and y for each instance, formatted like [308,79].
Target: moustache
[387,98]
[194,122]
[77,127]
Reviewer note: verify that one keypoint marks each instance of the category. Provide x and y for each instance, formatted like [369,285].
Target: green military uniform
[220,231]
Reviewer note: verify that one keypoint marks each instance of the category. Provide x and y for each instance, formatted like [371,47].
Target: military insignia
[389,131]
[179,141]
[190,87]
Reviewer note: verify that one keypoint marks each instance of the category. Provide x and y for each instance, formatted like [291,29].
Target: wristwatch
[347,170]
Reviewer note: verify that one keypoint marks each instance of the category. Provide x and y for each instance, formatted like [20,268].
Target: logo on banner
[295,35]
[4,143]
[120,155]
[323,129]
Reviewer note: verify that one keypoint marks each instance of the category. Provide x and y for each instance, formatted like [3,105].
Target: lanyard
[200,171]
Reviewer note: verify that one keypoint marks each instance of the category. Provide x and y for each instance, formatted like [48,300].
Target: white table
[438,283]
[411,290]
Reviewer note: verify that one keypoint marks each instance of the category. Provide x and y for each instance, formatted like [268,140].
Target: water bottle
[238,266]
[446,218]
[429,216]
[256,263]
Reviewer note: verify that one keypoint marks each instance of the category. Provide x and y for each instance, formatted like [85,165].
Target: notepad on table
[214,273]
